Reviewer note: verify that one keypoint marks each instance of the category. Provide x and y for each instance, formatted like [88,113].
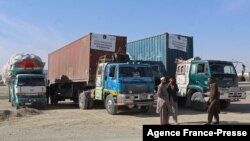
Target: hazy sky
[221,28]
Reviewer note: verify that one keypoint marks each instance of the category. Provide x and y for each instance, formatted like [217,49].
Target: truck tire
[9,94]
[83,101]
[54,99]
[53,96]
[90,103]
[198,102]
[188,99]
[110,105]
[144,109]
[224,104]
[12,102]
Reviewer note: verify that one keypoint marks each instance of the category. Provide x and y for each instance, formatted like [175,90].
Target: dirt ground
[66,122]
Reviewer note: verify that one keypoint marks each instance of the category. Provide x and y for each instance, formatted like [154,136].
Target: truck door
[111,83]
[202,75]
[100,76]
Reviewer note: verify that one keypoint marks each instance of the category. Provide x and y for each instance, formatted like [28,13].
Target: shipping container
[164,47]
[77,61]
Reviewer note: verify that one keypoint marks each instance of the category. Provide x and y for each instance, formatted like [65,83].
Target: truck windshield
[135,72]
[30,81]
[156,71]
[220,68]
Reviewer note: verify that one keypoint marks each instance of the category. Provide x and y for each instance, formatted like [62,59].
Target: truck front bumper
[144,99]
[38,99]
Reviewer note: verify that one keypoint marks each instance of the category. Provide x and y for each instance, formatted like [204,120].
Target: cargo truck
[192,79]
[23,74]
[94,68]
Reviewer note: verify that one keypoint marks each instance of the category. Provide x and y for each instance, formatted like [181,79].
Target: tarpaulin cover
[21,63]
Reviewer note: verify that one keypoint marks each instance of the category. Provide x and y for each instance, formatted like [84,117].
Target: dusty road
[66,122]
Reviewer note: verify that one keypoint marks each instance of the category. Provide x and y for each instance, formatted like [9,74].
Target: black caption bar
[161,132]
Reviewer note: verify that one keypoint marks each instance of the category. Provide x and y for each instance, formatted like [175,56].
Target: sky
[220,28]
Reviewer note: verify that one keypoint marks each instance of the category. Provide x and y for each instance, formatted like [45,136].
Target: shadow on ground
[238,108]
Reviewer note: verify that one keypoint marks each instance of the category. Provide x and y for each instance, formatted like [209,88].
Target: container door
[100,74]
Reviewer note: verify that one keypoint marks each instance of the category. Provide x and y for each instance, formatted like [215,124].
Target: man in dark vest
[213,102]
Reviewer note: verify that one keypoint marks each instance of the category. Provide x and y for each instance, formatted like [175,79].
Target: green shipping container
[164,47]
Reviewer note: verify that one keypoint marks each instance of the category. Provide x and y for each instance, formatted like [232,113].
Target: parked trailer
[164,47]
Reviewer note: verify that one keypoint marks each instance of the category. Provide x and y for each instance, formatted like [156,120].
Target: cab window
[201,68]
[112,71]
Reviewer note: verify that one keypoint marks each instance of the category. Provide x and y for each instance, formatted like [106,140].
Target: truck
[95,68]
[23,74]
[192,78]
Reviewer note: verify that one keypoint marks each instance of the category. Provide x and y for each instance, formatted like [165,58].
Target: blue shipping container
[165,47]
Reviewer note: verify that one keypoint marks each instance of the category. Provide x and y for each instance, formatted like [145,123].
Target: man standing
[213,102]
[163,105]
[172,89]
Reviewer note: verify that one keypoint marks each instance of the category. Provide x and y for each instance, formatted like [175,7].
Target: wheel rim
[80,102]
[109,105]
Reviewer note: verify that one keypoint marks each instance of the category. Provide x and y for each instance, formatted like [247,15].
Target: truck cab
[23,74]
[192,79]
[123,85]
[28,88]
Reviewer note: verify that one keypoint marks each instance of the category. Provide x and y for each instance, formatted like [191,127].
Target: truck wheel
[54,99]
[224,104]
[110,105]
[83,101]
[144,109]
[90,103]
[9,94]
[12,102]
[188,99]
[198,102]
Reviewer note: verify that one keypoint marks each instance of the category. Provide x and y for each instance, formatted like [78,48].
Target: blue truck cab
[120,84]
[124,84]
